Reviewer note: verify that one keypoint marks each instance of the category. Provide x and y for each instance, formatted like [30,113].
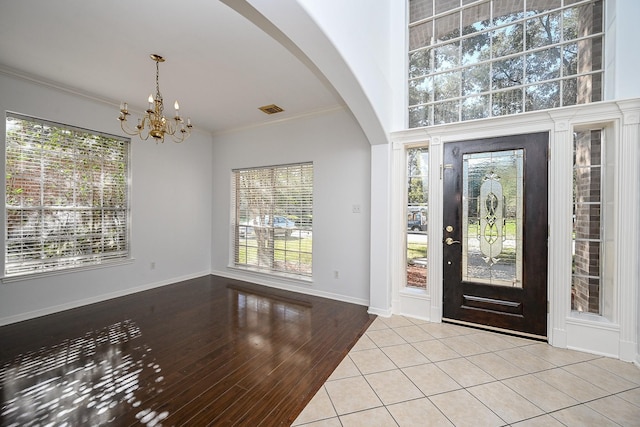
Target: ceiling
[219,66]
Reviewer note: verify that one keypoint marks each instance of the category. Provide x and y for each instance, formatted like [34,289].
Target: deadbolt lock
[449,228]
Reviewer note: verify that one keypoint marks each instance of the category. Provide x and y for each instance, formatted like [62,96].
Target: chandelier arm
[126,129]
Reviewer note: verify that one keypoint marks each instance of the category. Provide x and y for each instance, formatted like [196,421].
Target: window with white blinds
[273,218]
[66,196]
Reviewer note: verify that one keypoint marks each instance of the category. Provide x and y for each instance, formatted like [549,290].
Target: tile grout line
[522,346]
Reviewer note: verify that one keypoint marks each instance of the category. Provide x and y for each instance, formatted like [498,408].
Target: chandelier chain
[158,94]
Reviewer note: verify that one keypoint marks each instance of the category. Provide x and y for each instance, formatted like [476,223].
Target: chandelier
[154,123]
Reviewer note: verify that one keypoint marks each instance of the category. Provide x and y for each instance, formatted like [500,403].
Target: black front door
[495,232]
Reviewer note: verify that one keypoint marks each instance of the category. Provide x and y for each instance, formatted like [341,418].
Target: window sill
[414,292]
[594,320]
[293,278]
[33,276]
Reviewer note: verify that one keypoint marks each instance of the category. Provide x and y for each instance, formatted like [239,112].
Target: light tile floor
[406,372]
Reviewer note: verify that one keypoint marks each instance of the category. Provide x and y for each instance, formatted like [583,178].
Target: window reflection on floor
[81,381]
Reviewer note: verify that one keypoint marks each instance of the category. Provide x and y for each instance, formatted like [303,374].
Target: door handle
[449,241]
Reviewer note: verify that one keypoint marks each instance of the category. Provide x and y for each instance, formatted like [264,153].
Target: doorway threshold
[495,329]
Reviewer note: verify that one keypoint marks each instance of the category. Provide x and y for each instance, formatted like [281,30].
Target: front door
[495,232]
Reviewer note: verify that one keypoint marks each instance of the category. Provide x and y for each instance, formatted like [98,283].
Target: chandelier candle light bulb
[154,123]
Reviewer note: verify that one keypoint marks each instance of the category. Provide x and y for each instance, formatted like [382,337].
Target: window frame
[84,257]
[424,107]
[246,224]
[606,206]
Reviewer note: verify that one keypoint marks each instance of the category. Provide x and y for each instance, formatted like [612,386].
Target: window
[273,218]
[417,202]
[66,200]
[592,200]
[494,58]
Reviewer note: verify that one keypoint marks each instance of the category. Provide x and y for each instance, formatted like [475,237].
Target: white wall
[171,209]
[326,39]
[621,49]
[361,33]
[340,154]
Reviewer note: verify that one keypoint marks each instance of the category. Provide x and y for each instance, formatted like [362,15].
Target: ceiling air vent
[271,109]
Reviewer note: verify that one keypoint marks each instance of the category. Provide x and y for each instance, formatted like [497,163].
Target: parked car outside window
[282,226]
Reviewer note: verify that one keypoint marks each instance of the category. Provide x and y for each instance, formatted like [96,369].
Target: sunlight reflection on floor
[80,381]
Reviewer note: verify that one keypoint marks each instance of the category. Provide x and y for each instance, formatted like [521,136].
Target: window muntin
[273,218]
[66,196]
[471,60]
[417,216]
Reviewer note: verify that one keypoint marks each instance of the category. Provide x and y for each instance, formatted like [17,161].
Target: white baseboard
[380,312]
[98,298]
[303,288]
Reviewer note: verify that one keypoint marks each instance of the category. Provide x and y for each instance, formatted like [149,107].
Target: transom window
[476,59]
[66,200]
[273,218]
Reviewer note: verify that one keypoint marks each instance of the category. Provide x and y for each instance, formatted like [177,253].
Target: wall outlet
[336,274]
[355,209]
[152,265]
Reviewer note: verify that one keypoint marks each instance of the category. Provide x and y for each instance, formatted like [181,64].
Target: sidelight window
[417,210]
[592,222]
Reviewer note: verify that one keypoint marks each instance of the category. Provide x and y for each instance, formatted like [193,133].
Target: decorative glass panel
[492,218]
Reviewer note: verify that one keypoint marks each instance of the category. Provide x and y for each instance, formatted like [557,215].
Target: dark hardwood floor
[207,351]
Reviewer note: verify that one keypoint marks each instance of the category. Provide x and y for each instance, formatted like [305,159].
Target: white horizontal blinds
[274,217]
[66,196]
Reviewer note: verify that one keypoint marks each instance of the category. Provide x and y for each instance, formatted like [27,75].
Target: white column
[380,283]
[559,241]
[435,228]
[628,229]
[398,225]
